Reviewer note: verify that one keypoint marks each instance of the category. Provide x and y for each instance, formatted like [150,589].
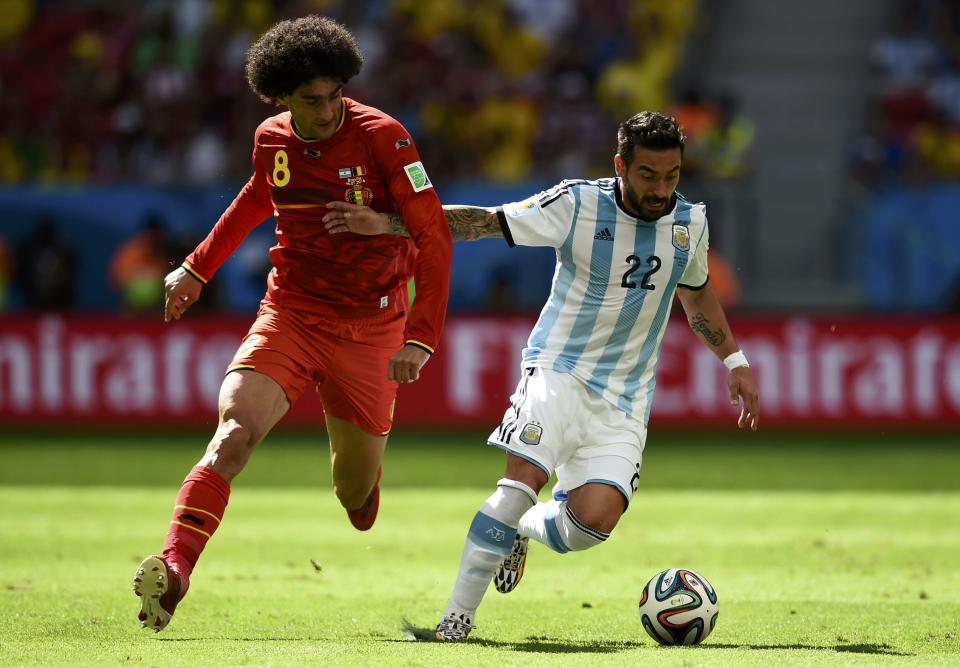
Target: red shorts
[345,360]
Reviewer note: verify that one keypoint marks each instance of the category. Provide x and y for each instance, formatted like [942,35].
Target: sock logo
[496,534]
[192,518]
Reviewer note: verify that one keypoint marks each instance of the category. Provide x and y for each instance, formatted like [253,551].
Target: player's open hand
[347,217]
[405,365]
[743,391]
[180,290]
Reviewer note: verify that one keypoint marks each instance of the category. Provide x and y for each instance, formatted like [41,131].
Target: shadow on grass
[858,648]
[558,646]
[530,644]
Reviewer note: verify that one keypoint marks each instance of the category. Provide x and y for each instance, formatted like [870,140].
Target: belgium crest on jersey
[681,237]
[359,195]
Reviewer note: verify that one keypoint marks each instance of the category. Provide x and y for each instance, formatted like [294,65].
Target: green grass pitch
[824,551]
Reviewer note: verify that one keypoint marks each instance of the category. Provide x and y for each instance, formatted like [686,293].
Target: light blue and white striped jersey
[613,286]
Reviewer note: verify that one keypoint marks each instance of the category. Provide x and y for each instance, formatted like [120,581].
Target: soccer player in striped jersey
[335,313]
[625,246]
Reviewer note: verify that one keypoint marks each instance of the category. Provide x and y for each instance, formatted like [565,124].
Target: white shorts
[559,424]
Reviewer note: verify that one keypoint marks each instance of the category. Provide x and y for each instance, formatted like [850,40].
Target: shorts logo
[531,433]
[418,176]
[358,195]
[681,237]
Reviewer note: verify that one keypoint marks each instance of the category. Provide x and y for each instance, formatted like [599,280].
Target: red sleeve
[413,194]
[250,207]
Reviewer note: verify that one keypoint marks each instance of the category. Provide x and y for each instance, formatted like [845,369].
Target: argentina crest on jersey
[681,237]
[531,433]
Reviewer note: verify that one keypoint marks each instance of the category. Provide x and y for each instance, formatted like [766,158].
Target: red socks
[196,515]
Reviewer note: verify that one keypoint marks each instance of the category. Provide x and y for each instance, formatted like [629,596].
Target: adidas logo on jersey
[603,235]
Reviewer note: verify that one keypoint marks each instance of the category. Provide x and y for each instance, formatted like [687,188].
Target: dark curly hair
[649,129]
[297,51]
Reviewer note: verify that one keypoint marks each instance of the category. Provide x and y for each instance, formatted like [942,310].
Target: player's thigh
[250,404]
[356,388]
[254,399]
[535,427]
[522,470]
[283,346]
[355,455]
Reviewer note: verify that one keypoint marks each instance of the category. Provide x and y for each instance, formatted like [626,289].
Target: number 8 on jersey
[281,169]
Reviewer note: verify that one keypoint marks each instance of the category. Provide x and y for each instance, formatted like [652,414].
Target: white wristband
[735,360]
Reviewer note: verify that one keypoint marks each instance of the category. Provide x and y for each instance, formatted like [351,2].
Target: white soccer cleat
[454,627]
[510,570]
[159,589]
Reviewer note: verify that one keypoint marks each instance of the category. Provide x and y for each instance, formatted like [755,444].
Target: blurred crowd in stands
[502,92]
[912,129]
[154,91]
[906,162]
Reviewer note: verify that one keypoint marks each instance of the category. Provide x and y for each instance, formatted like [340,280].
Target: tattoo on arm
[472,222]
[701,325]
[466,223]
[395,225]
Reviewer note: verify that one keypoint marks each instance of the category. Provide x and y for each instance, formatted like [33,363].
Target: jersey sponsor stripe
[601,257]
[562,280]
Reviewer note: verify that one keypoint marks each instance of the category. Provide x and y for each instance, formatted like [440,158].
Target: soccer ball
[678,607]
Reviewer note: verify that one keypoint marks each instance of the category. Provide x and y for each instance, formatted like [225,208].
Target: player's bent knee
[602,520]
[598,506]
[237,436]
[573,532]
[230,448]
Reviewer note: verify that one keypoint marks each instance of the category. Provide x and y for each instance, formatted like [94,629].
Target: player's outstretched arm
[709,322]
[180,290]
[466,222]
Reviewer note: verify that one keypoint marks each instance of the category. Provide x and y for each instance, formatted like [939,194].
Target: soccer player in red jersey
[335,311]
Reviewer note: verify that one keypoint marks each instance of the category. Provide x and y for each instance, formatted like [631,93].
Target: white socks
[489,540]
[554,524]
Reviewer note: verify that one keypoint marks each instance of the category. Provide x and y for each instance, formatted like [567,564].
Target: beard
[643,205]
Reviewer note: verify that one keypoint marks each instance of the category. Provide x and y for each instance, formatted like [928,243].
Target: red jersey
[370,160]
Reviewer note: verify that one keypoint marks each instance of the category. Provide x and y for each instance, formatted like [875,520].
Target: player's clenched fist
[180,291]
[404,367]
